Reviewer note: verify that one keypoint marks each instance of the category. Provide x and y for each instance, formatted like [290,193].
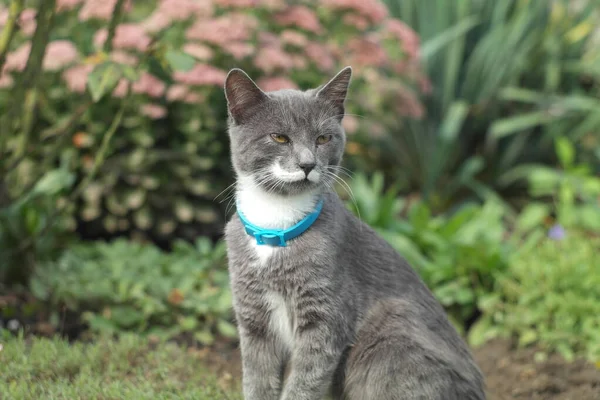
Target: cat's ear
[336,89]
[242,95]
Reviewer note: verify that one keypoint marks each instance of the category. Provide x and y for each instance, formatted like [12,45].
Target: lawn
[130,368]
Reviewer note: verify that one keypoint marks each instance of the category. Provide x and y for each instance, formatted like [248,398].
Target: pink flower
[123,57]
[294,38]
[180,92]
[6,80]
[300,16]
[177,92]
[100,9]
[59,53]
[227,28]
[374,10]
[299,61]
[27,21]
[156,22]
[367,52]
[360,22]
[17,60]
[127,36]
[276,83]
[199,51]
[238,50]
[176,10]
[237,3]
[273,5]
[406,36]
[149,84]
[76,77]
[184,9]
[120,90]
[350,124]
[65,5]
[320,55]
[269,59]
[201,74]
[154,111]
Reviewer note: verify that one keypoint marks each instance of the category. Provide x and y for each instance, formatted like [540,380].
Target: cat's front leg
[316,354]
[262,367]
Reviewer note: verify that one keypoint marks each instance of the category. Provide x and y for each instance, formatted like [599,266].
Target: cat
[336,306]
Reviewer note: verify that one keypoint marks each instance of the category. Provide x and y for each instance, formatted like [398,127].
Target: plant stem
[16,6]
[112,27]
[8,32]
[28,81]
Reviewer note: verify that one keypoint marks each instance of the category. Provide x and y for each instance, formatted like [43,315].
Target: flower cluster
[295,40]
[172,56]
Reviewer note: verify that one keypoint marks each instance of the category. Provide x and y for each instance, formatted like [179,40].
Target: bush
[125,286]
[168,153]
[549,297]
[507,78]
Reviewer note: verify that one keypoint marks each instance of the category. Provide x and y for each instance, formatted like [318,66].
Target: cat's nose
[307,167]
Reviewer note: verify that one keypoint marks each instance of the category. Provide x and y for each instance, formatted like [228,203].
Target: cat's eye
[323,139]
[280,138]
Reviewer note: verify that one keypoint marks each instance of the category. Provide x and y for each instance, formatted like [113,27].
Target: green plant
[128,368]
[167,158]
[574,189]
[549,297]
[458,256]
[507,77]
[30,229]
[125,286]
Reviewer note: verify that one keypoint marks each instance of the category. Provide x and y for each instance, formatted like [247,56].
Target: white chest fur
[281,322]
[269,210]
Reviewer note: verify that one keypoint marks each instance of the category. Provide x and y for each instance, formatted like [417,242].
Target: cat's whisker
[339,169]
[224,191]
[347,188]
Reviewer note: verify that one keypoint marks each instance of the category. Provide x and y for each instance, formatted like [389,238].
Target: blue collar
[280,237]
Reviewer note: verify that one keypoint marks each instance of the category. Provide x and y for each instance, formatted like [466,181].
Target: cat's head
[287,141]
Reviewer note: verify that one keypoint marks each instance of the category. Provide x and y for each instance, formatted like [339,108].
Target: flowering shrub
[169,58]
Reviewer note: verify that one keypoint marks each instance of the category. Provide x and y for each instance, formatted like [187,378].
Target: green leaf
[565,152]
[445,37]
[532,216]
[508,126]
[179,60]
[99,323]
[53,182]
[204,337]
[453,121]
[528,337]
[103,79]
[481,331]
[227,329]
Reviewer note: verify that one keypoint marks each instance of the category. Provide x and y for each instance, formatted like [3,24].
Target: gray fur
[364,324]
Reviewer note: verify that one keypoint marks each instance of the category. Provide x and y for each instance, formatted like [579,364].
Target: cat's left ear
[336,89]
[242,94]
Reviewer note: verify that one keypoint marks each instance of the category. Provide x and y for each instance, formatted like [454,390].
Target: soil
[513,374]
[510,373]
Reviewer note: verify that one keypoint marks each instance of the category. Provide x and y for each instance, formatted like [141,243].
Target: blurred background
[473,148]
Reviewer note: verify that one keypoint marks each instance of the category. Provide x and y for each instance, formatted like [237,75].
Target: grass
[128,368]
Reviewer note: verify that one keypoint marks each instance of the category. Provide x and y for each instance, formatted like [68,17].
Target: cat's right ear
[242,95]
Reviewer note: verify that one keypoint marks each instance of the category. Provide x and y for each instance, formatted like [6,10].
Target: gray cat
[336,307]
